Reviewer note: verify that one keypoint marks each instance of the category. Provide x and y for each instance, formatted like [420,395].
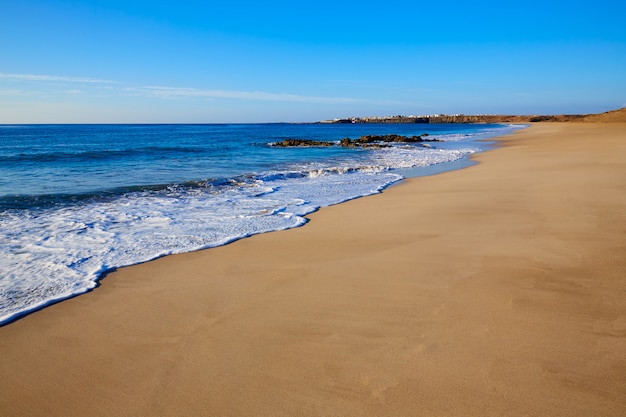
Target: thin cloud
[54,78]
[17,93]
[178,92]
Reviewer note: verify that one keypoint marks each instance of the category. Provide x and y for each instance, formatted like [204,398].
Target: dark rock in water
[346,143]
[368,141]
[289,143]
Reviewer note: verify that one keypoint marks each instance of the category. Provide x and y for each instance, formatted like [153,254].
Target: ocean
[77,201]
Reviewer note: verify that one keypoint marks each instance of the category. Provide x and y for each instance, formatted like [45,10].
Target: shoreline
[489,290]
[13,308]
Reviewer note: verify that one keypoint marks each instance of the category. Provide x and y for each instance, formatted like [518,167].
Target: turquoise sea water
[78,200]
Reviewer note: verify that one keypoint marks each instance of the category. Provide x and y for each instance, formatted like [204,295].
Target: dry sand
[497,290]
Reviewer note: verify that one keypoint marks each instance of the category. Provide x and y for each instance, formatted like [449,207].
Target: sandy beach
[496,290]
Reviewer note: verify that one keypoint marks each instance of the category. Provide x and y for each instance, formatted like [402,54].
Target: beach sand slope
[496,290]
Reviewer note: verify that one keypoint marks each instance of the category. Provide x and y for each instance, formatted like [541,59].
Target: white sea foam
[56,253]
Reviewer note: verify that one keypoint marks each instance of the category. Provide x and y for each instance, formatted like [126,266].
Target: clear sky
[125,61]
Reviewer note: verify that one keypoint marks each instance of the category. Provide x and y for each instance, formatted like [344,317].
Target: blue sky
[277,61]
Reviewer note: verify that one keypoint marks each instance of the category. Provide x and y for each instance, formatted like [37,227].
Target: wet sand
[496,290]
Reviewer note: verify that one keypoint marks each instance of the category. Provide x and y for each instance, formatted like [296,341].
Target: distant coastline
[606,117]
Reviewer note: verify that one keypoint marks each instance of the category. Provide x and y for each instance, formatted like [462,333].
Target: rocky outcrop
[292,143]
[384,139]
[368,141]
